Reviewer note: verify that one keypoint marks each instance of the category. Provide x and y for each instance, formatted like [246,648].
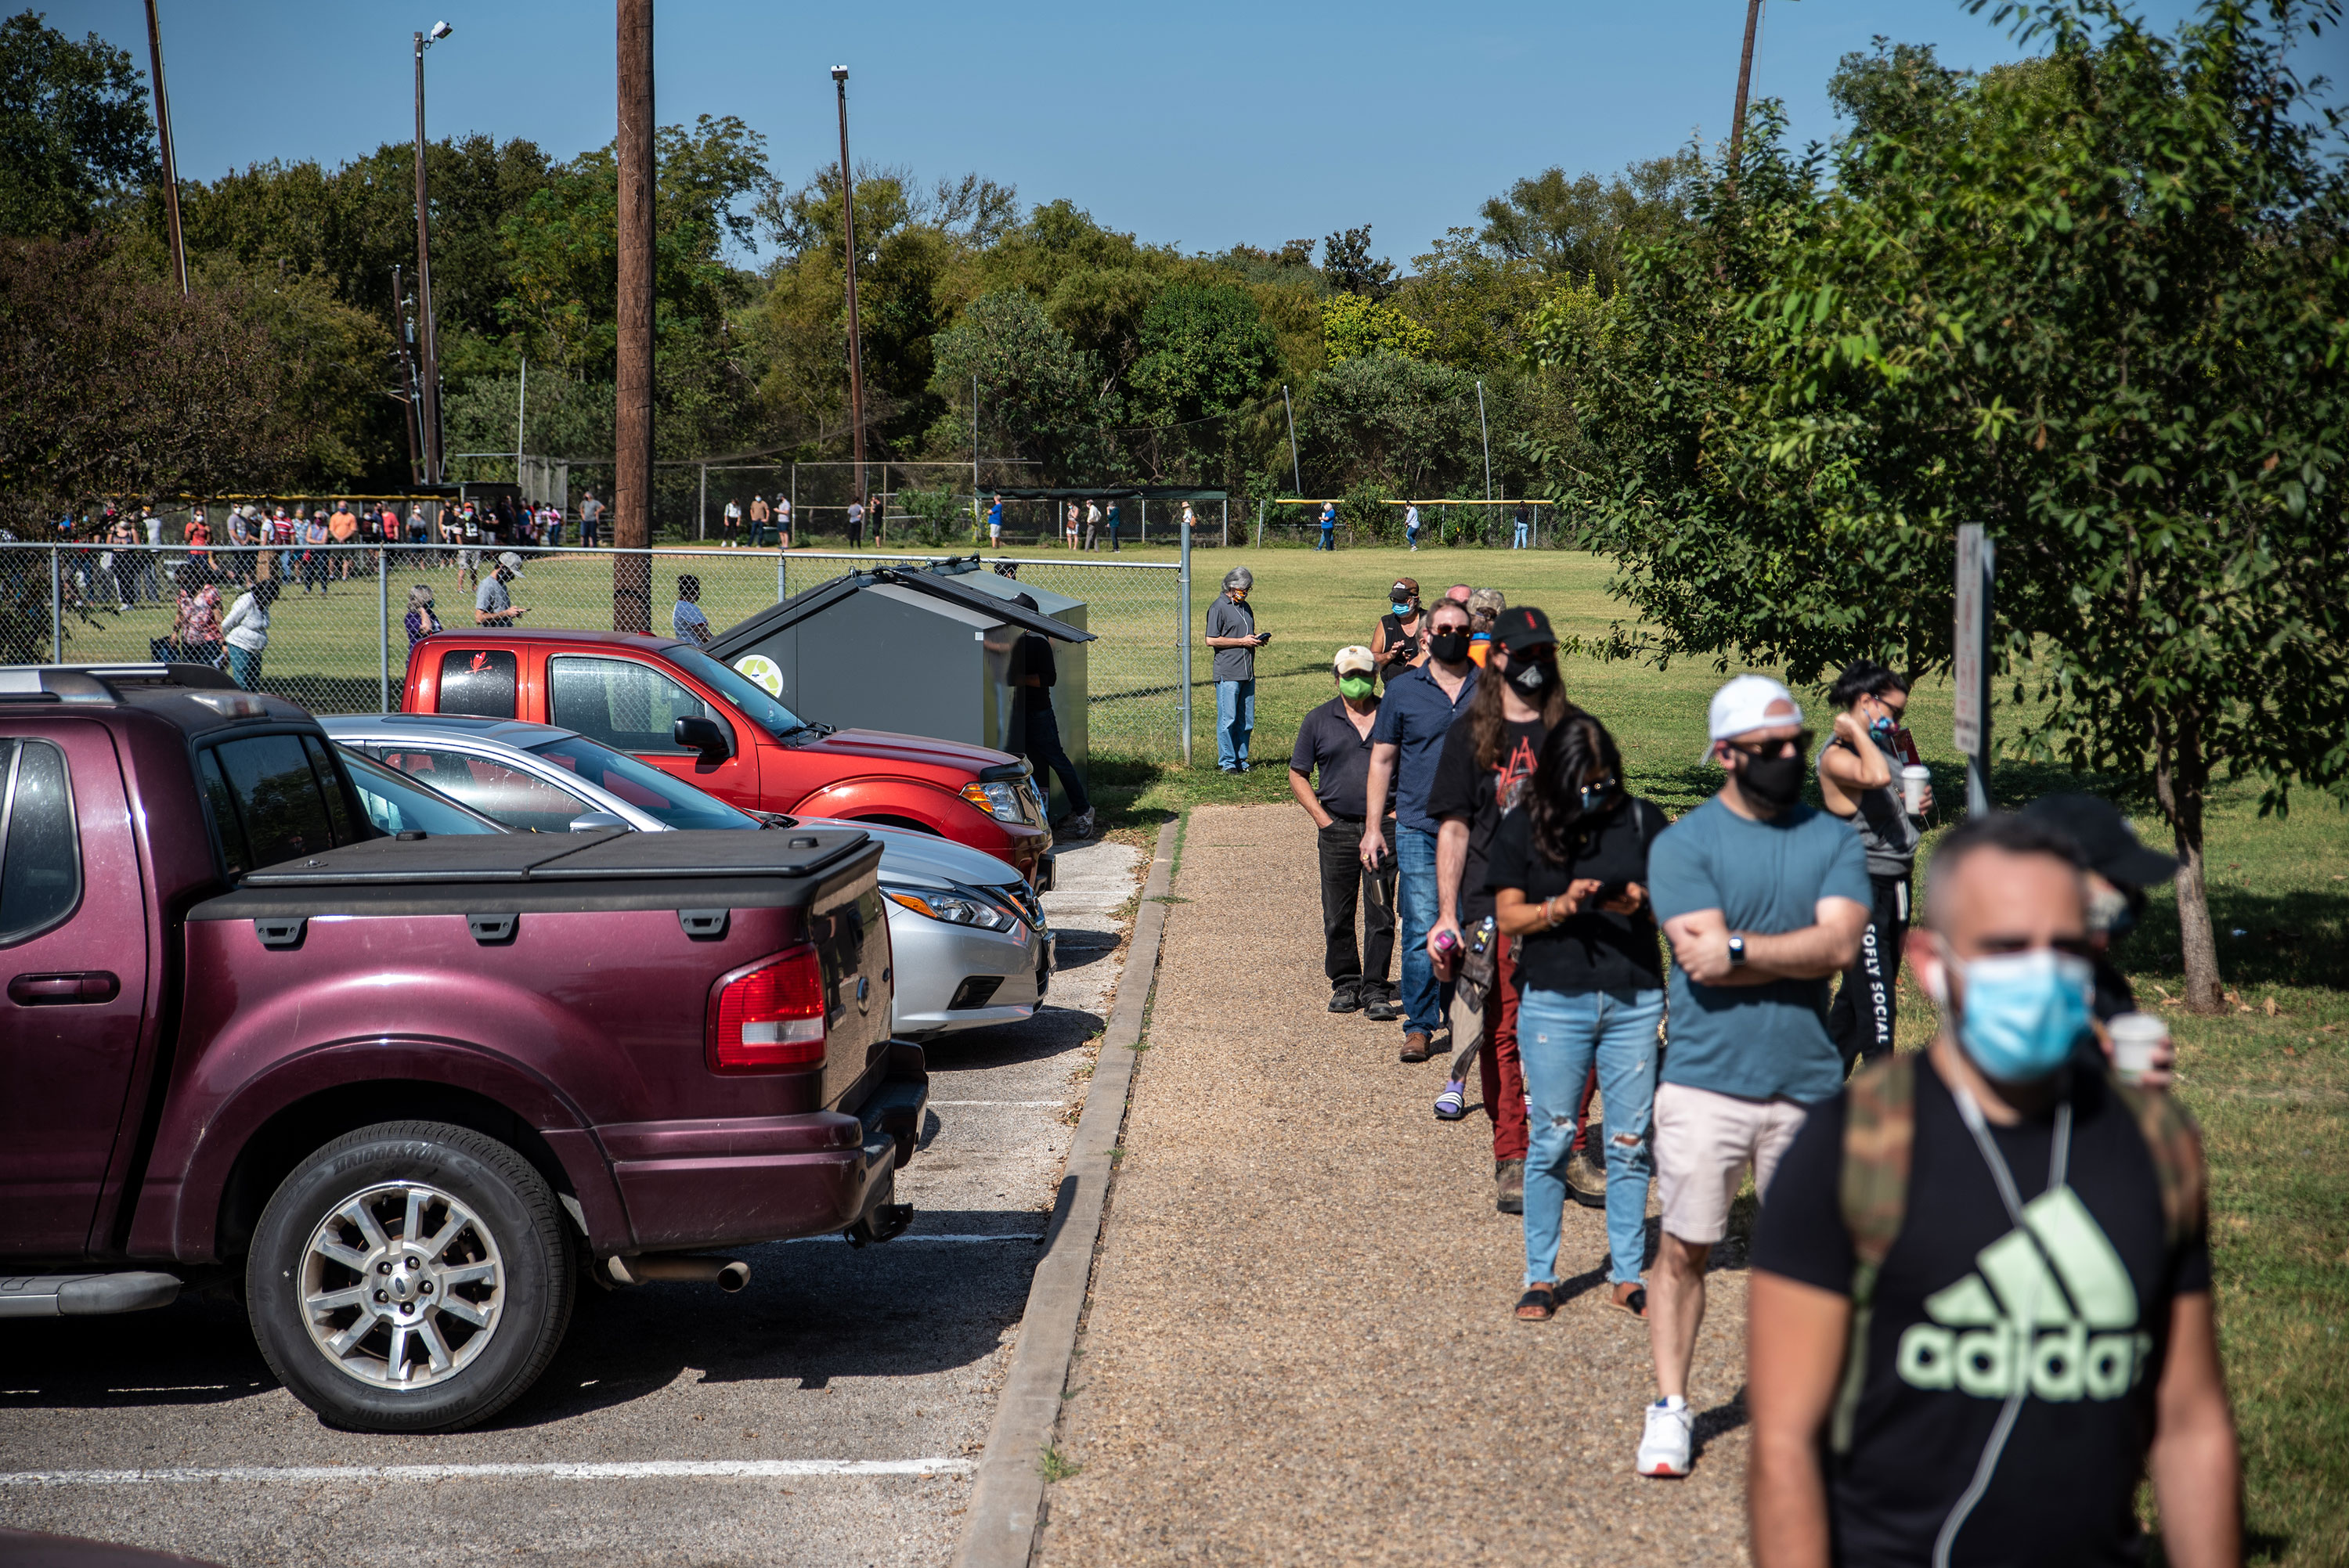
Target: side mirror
[596,822]
[706,736]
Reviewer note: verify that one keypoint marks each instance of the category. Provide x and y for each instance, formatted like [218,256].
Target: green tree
[1582,228]
[1347,263]
[1356,326]
[2108,318]
[1471,302]
[74,137]
[1403,424]
[1206,356]
[1036,387]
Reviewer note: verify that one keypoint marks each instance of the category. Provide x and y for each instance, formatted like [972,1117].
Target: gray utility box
[917,652]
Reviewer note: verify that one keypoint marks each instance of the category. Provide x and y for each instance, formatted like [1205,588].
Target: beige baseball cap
[1356,660]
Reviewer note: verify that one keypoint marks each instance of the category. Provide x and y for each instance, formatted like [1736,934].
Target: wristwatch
[1736,951]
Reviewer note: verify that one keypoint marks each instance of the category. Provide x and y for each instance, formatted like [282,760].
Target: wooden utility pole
[1745,79]
[848,234]
[409,401]
[428,335]
[163,137]
[632,425]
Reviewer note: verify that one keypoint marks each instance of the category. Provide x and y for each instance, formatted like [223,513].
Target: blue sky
[1202,125]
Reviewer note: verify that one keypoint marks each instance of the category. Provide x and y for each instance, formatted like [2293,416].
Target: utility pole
[1487,432]
[522,406]
[407,378]
[427,334]
[848,239]
[1744,78]
[1296,468]
[974,455]
[632,491]
[163,136]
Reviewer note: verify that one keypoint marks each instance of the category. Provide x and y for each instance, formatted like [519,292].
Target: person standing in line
[1522,539]
[855,522]
[591,520]
[1411,525]
[1568,874]
[877,512]
[1092,525]
[1486,758]
[195,629]
[1414,715]
[315,540]
[1231,632]
[760,516]
[1329,526]
[493,604]
[1923,1386]
[994,525]
[1460,593]
[342,528]
[1400,642]
[421,621]
[1763,898]
[729,523]
[1333,746]
[1112,525]
[782,522]
[1037,726]
[247,630]
[686,623]
[150,567]
[1859,778]
[197,535]
[2119,870]
[1069,527]
[121,565]
[1484,607]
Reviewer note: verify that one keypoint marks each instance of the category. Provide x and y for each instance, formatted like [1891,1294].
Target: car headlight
[999,799]
[956,908]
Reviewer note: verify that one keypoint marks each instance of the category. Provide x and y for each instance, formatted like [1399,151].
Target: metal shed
[919,652]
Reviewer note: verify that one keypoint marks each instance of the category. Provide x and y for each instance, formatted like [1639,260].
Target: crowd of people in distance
[1980,1307]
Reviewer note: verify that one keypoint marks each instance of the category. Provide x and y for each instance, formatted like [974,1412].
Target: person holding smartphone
[1231,632]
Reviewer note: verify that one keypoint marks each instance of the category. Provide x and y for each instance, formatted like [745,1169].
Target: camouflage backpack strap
[2175,1141]
[1879,1130]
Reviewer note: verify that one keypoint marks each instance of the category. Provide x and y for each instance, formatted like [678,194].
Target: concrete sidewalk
[1299,1347]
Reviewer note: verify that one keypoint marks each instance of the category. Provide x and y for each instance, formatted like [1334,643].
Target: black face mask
[1533,678]
[1773,781]
[1449,647]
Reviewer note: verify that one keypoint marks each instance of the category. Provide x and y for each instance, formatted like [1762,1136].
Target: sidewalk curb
[1007,1501]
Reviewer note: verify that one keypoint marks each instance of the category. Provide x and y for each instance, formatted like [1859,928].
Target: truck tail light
[771,1020]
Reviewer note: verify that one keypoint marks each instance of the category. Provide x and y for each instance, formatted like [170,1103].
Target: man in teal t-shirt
[1763,898]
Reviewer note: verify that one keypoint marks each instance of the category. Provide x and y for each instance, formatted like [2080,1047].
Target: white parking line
[645,1469]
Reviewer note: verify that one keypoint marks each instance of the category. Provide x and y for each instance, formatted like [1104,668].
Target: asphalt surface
[830,1413]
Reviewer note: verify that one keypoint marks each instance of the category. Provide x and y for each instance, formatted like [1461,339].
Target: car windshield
[646,787]
[398,804]
[746,695]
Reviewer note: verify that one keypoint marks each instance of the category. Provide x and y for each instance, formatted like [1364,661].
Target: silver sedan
[970,943]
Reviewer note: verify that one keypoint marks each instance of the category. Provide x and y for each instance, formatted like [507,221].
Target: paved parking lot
[830,1413]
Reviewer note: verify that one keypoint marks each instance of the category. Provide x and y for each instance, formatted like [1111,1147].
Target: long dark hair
[1570,752]
[1485,715]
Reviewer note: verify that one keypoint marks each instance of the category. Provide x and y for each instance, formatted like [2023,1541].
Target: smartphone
[1608,894]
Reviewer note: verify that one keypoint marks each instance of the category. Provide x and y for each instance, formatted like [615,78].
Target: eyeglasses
[1761,750]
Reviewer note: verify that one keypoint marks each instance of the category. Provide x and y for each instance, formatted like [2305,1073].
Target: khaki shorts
[1704,1141]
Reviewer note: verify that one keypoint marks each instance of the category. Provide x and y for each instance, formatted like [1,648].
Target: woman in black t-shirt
[1568,873]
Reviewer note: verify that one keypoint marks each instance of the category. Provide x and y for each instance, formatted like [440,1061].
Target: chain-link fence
[345,616]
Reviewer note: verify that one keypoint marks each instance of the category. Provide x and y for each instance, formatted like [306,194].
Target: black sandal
[1636,1303]
[1538,1305]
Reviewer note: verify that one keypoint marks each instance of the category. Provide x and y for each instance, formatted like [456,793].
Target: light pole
[163,138]
[1745,79]
[428,337]
[848,239]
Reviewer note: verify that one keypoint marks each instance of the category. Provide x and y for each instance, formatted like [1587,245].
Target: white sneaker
[1665,1446]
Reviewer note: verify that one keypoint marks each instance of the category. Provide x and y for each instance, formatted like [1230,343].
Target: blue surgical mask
[2022,1012]
[1402,606]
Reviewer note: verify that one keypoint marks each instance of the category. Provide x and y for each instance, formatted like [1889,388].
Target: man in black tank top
[1403,631]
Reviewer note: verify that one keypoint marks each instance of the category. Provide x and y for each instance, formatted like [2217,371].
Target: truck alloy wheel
[410,1277]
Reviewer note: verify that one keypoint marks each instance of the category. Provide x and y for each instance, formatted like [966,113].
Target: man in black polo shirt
[1334,740]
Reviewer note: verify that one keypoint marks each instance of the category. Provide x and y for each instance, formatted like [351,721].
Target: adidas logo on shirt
[2072,1328]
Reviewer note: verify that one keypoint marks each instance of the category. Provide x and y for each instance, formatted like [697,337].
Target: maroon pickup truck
[400,1089]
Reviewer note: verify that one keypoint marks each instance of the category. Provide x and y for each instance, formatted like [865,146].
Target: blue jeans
[1559,1034]
[1519,542]
[1235,722]
[1425,999]
[244,667]
[1328,539]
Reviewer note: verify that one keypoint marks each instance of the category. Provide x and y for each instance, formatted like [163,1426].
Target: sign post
[1977,574]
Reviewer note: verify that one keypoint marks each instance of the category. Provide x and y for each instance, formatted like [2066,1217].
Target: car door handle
[64,990]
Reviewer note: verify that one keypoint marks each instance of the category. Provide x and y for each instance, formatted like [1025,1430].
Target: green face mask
[1355,687]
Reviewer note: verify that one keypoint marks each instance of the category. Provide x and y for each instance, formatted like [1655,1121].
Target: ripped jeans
[1559,1033]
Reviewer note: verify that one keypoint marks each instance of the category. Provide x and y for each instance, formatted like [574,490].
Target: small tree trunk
[2178,783]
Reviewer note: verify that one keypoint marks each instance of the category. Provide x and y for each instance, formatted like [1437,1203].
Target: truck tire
[410,1277]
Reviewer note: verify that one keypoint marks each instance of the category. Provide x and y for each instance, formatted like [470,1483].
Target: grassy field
[2269,1080]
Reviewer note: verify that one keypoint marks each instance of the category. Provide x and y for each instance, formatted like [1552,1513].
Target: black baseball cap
[2107,844]
[1521,626]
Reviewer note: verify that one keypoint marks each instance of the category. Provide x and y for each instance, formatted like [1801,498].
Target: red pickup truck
[678,708]
[401,1091]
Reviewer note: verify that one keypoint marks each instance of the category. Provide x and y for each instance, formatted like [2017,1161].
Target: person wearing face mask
[1487,756]
[1859,778]
[492,605]
[1414,715]
[1333,746]
[2120,870]
[1399,643]
[1982,1308]
[1763,898]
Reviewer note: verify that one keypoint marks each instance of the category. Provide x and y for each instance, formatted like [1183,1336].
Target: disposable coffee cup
[2137,1038]
[1915,780]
